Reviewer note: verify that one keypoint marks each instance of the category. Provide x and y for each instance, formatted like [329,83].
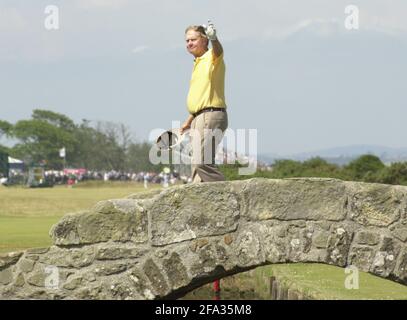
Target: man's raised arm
[211,34]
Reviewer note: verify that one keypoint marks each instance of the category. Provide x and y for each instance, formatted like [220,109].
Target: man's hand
[187,124]
[211,34]
[185,127]
[211,31]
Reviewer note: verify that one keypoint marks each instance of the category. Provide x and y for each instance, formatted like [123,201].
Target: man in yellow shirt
[208,118]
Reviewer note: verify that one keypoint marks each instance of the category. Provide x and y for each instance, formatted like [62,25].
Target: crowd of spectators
[74,176]
[163,177]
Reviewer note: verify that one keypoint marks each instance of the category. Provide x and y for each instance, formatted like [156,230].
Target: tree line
[101,146]
[366,168]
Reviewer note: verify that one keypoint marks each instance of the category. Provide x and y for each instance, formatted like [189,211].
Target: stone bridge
[164,244]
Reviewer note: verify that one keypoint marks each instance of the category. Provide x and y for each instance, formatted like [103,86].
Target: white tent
[13,160]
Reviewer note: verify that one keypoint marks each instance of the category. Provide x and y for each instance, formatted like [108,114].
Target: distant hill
[343,155]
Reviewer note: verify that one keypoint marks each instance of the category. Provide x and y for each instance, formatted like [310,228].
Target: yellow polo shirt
[207,85]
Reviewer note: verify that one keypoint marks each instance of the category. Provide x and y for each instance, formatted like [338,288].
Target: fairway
[322,281]
[19,233]
[26,215]
[313,280]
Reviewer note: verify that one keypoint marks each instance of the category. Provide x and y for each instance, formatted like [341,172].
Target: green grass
[19,233]
[26,215]
[322,281]
[313,280]
[51,202]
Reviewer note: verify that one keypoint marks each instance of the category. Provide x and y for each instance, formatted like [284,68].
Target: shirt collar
[203,56]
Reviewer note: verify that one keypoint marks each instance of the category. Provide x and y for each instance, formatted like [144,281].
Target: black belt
[208,109]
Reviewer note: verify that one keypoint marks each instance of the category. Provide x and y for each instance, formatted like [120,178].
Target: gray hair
[199,29]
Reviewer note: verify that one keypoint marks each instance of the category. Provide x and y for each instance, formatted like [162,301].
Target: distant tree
[56,119]
[114,140]
[102,147]
[5,128]
[86,151]
[315,163]
[42,136]
[138,158]
[318,167]
[41,140]
[287,168]
[4,149]
[396,173]
[366,168]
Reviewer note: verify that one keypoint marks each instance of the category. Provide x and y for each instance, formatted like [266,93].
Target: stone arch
[163,245]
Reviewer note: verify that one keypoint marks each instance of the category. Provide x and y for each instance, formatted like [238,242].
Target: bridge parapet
[167,244]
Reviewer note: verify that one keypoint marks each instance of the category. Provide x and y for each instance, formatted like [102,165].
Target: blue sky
[294,72]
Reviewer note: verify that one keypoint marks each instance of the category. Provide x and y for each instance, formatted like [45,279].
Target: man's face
[196,44]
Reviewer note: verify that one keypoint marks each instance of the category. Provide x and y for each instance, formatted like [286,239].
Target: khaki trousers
[207,131]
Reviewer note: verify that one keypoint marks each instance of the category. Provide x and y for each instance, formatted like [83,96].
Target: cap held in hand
[170,139]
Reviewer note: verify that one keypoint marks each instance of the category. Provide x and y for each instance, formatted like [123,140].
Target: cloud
[325,27]
[139,49]
[318,26]
[90,4]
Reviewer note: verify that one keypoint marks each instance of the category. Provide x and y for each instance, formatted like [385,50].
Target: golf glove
[211,31]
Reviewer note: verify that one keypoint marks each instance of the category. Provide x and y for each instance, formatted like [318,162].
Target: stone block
[375,204]
[6,276]
[367,238]
[291,199]
[193,211]
[117,220]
